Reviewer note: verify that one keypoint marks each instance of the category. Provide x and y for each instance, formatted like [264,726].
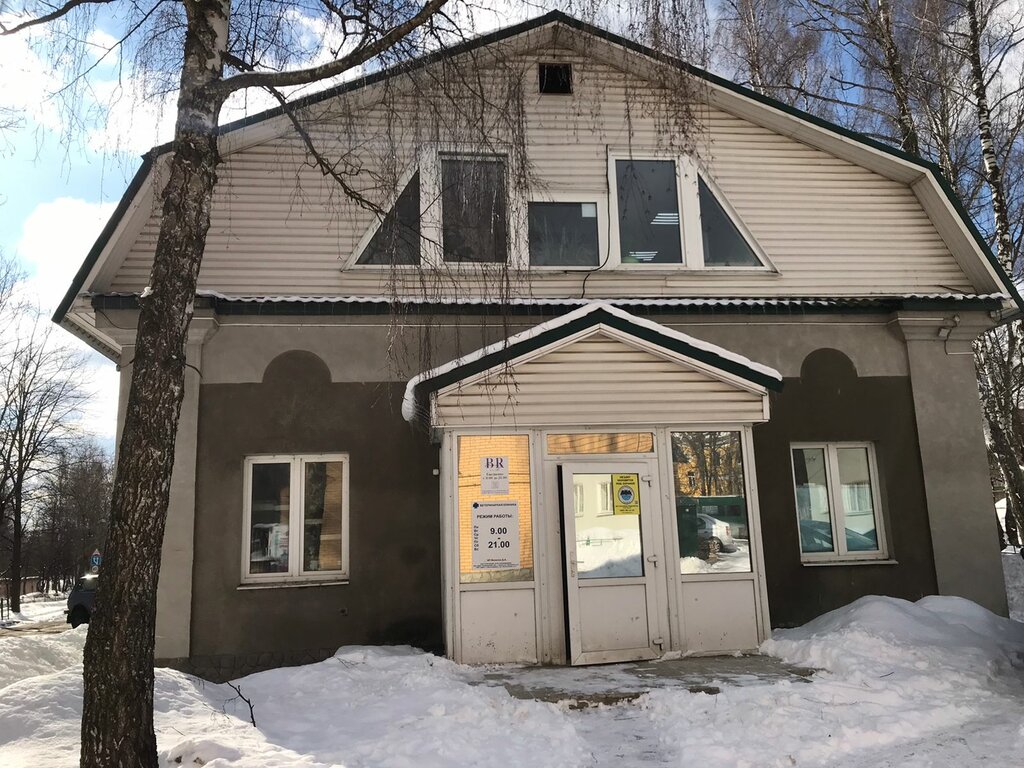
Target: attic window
[555,78]
[397,240]
[724,244]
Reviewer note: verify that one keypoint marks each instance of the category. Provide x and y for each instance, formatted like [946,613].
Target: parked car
[713,529]
[816,536]
[81,599]
[701,535]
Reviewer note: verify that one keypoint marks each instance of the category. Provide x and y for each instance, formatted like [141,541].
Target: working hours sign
[495,535]
[626,494]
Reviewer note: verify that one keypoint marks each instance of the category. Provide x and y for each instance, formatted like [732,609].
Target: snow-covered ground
[934,683]
[38,607]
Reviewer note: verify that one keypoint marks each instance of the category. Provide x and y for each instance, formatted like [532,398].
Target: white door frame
[549,554]
[652,554]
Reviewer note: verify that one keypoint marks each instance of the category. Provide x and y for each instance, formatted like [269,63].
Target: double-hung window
[837,502]
[296,518]
[474,210]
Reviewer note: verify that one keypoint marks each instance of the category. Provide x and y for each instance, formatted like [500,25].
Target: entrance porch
[598,493]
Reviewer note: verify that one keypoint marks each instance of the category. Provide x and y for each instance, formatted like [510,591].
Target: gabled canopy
[493,362]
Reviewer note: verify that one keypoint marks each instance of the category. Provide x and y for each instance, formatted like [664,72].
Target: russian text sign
[626,494]
[495,535]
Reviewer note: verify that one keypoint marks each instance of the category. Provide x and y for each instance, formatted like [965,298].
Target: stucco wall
[394,595]
[830,402]
[262,394]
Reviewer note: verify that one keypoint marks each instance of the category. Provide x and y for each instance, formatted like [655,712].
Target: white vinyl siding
[597,380]
[830,227]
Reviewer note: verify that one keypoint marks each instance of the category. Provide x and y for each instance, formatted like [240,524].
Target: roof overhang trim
[813,124]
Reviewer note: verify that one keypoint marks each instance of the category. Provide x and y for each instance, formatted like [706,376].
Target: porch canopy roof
[595,364]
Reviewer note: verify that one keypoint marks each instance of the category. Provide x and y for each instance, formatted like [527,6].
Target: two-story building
[613,359]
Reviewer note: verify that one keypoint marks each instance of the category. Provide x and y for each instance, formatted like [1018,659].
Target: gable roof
[591,315]
[960,226]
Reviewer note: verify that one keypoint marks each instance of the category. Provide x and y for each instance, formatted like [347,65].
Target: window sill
[876,561]
[296,583]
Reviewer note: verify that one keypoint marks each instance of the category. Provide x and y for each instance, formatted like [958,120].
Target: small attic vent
[555,78]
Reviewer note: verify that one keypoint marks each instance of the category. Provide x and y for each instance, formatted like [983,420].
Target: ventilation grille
[555,78]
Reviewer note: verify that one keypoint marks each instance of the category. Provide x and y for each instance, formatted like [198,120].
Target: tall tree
[212,49]
[765,44]
[41,395]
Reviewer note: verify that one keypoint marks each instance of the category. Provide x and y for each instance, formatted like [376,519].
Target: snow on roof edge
[409,398]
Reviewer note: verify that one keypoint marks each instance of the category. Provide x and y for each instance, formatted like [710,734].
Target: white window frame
[432,213]
[296,529]
[599,199]
[690,242]
[691,233]
[837,508]
[605,501]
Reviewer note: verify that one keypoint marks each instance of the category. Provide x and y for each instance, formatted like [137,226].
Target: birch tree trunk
[117,715]
[893,64]
[999,352]
[992,168]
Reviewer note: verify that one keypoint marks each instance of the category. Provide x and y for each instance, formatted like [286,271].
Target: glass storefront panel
[608,542]
[710,501]
[600,443]
[495,511]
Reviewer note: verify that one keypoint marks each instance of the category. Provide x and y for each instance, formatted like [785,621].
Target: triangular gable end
[600,376]
[597,364]
[925,178]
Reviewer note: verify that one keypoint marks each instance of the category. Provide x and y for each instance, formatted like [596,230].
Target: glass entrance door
[609,524]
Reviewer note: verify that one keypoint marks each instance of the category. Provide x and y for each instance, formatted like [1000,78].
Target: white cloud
[55,238]
[28,82]
[102,382]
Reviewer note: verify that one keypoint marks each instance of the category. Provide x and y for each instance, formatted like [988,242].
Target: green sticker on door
[626,494]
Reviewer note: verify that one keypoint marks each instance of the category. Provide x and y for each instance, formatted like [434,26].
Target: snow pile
[31,654]
[884,634]
[376,707]
[903,683]
[937,683]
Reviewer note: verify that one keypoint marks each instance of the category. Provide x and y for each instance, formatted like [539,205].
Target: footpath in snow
[935,683]
[37,607]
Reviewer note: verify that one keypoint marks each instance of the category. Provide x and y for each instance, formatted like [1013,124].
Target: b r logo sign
[494,475]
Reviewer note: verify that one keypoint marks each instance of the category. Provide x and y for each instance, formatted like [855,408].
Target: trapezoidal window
[397,240]
[724,244]
[474,221]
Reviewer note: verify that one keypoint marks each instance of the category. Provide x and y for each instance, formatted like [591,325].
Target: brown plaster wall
[829,402]
[394,595]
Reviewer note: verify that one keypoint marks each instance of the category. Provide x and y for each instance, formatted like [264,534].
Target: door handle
[653,559]
[572,567]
